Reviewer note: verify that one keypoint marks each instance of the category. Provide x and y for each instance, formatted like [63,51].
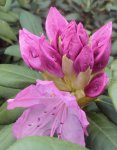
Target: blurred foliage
[91,13]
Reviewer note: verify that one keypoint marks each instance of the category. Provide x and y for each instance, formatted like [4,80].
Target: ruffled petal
[41,93]
[53,118]
[35,121]
[50,112]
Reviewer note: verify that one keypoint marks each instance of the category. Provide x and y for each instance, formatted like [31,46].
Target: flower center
[73,84]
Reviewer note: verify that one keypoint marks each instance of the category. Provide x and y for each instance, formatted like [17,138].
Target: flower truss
[74,66]
[72,59]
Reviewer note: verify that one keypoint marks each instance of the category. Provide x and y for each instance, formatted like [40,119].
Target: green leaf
[7,6]
[2,2]
[23,3]
[6,137]
[72,16]
[114,65]
[102,133]
[112,90]
[31,22]
[114,48]
[44,143]
[111,58]
[1,127]
[9,116]
[109,72]
[114,69]
[106,106]
[14,76]
[92,107]
[8,16]
[112,6]
[6,31]
[6,92]
[13,51]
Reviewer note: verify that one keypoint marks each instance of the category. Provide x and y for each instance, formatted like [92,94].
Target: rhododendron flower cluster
[72,59]
[49,112]
[73,64]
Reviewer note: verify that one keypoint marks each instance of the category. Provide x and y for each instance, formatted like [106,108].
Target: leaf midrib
[105,134]
[18,74]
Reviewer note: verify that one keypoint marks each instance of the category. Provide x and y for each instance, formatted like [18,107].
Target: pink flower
[69,54]
[49,112]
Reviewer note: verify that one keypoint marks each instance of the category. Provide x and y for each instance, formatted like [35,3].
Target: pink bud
[54,22]
[101,45]
[29,47]
[84,60]
[50,58]
[73,38]
[96,85]
[82,34]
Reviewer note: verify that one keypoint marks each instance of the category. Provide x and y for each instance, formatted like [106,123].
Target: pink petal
[101,45]
[82,34]
[73,123]
[84,60]
[51,112]
[50,58]
[40,93]
[54,118]
[55,41]
[70,43]
[54,22]
[96,85]
[73,39]
[41,119]
[29,47]
[72,129]
[35,121]
[83,120]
